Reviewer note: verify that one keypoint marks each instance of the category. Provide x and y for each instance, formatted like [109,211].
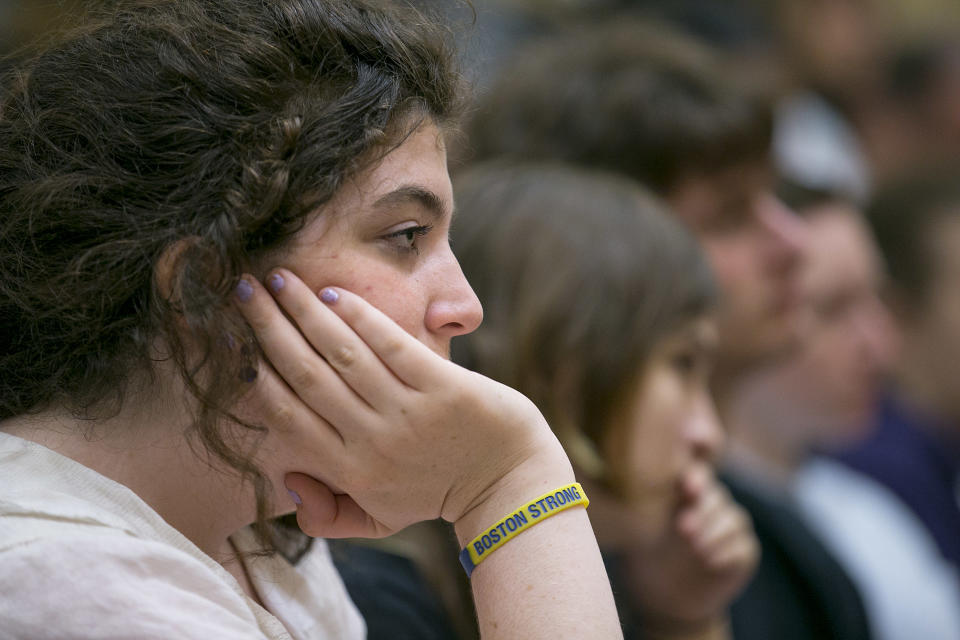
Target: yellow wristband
[518,521]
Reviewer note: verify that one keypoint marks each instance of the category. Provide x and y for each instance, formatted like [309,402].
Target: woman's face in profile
[670,423]
[384,236]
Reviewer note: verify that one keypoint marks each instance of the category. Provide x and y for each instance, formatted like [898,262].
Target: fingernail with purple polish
[275,282]
[329,296]
[295,496]
[244,290]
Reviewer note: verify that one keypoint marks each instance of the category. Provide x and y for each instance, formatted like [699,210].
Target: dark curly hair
[213,127]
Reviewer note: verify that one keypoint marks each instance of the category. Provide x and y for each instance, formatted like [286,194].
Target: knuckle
[282,417]
[392,347]
[303,376]
[343,357]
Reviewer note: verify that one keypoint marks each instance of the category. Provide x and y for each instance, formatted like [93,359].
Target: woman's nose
[455,309]
[704,431]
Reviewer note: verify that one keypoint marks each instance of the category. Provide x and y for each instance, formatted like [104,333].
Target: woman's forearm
[547,582]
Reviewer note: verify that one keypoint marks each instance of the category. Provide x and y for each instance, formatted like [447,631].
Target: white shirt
[82,556]
[909,590]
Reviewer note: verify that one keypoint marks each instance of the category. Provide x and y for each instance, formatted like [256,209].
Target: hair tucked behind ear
[208,130]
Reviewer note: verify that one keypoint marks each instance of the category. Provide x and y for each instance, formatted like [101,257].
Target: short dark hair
[580,274]
[632,97]
[904,216]
[218,127]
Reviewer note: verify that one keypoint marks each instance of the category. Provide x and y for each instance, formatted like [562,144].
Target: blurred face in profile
[667,425]
[825,392]
[755,247]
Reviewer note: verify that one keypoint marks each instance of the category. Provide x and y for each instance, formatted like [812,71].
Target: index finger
[408,358]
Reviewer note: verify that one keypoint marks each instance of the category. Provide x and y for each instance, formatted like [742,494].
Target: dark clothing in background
[911,455]
[799,592]
[391,594]
[629,618]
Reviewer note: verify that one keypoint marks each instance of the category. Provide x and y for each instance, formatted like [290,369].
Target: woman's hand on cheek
[401,433]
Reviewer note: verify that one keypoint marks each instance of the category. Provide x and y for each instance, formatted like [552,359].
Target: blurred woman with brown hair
[598,307]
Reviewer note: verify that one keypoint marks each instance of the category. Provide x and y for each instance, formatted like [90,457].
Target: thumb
[321,513]
[695,482]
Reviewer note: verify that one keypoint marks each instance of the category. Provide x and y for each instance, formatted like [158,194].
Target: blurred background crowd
[718,244]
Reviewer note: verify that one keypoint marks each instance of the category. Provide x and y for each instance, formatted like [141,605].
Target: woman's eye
[407,239]
[685,362]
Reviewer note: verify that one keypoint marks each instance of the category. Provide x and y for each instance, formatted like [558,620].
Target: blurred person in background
[914,448]
[637,99]
[599,306]
[917,118]
[824,397]
[878,77]
[823,394]
[640,99]
[833,47]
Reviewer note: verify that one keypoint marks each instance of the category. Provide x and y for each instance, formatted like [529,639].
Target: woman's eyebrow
[426,199]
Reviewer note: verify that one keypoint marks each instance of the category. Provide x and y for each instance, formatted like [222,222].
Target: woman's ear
[195,323]
[584,455]
[168,271]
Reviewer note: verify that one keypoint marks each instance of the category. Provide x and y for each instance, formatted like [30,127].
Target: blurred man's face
[823,395]
[755,246]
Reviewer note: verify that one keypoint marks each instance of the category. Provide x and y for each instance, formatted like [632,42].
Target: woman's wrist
[518,520]
[539,474]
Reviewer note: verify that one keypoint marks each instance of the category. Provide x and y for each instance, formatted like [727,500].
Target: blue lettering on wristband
[511,523]
[516,522]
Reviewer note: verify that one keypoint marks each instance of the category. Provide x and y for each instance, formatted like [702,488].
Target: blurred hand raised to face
[688,548]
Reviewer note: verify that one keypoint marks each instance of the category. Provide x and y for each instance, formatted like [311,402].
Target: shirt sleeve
[116,586]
